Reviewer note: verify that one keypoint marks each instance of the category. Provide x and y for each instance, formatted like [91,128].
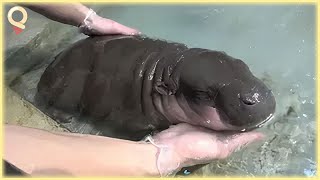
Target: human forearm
[40,152]
[76,14]
[72,14]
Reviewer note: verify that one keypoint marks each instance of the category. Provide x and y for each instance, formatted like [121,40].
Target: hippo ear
[164,89]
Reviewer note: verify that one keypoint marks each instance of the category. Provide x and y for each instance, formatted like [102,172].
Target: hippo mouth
[216,119]
[211,117]
[179,109]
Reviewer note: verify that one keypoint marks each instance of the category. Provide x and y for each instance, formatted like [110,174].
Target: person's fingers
[237,141]
[104,26]
[121,29]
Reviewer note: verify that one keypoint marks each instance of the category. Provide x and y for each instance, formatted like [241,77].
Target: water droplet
[150,77]
[302,40]
[256,96]
[304,101]
[243,130]
[293,142]
[260,125]
[304,115]
[186,172]
[308,75]
[140,73]
[208,121]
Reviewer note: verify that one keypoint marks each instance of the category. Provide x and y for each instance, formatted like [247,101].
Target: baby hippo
[139,85]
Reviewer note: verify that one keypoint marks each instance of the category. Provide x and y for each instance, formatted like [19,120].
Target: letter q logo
[18,26]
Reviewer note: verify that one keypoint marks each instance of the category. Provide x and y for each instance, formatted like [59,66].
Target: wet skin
[141,85]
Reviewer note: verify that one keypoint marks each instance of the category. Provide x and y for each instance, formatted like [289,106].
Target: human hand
[97,25]
[185,145]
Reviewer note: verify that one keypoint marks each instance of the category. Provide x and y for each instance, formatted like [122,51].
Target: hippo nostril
[248,102]
[250,99]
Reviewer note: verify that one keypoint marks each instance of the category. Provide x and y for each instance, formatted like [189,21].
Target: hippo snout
[245,105]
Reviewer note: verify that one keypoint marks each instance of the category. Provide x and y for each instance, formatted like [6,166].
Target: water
[278,44]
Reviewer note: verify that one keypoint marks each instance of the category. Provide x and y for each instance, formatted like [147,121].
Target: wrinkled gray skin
[141,85]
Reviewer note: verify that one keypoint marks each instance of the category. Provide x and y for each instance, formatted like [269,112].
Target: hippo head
[221,93]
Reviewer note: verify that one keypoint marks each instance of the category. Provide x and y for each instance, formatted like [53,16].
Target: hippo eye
[203,98]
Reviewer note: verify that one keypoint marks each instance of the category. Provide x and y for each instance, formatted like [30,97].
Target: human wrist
[86,26]
[128,158]
[149,163]
[169,162]
[86,16]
